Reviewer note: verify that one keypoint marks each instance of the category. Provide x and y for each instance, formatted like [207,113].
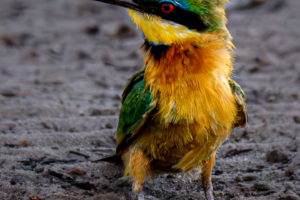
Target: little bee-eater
[182,105]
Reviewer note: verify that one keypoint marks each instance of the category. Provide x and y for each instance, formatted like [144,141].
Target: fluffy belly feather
[179,147]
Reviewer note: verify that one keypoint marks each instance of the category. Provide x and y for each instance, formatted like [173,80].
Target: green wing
[137,103]
[240,99]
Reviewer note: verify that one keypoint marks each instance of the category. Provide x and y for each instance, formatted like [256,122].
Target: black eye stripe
[186,18]
[178,15]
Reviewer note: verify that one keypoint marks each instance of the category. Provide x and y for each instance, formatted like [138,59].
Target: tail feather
[115,158]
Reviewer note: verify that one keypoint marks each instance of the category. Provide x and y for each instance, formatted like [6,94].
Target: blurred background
[63,66]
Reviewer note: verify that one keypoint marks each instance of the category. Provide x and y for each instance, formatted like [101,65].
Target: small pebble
[77,171]
[297,119]
[220,194]
[292,197]
[261,186]
[276,155]
[249,177]
[125,31]
[289,186]
[39,169]
[13,181]
[92,30]
[239,178]
[289,171]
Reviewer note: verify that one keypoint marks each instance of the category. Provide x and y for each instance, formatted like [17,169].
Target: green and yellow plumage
[182,105]
[136,103]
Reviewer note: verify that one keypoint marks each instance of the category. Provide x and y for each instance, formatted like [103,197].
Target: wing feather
[240,99]
[137,104]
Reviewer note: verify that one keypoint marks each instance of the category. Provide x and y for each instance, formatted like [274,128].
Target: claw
[140,197]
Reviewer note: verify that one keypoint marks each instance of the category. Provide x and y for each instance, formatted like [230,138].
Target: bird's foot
[208,190]
[140,197]
[209,195]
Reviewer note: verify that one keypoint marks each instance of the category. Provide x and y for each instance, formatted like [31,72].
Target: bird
[180,107]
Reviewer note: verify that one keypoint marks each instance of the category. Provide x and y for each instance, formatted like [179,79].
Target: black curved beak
[126,4]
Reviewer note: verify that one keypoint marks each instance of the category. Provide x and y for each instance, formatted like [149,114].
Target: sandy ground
[63,66]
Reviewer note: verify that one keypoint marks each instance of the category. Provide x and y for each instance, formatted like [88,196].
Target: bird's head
[176,21]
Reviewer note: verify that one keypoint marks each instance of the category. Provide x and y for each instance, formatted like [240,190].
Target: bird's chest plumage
[191,101]
[195,106]
[192,118]
[194,99]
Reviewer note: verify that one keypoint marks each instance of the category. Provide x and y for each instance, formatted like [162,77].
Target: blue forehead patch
[181,3]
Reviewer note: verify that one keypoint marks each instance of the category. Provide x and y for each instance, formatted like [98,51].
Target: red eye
[167,7]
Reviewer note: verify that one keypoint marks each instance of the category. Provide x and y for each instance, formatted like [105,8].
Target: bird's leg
[206,168]
[137,167]
[138,186]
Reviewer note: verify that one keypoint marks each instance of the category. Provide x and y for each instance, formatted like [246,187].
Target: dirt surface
[63,66]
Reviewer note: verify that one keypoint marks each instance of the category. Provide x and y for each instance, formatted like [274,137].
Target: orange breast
[196,108]
[191,84]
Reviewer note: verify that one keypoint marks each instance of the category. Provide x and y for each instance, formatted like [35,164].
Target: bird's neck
[194,61]
[189,79]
